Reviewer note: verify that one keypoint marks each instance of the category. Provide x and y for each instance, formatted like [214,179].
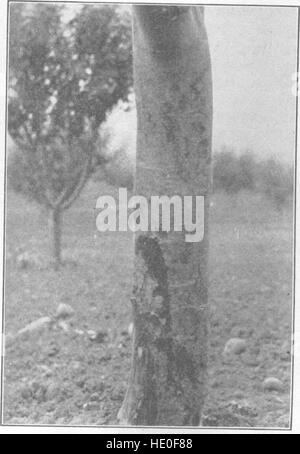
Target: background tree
[276,181]
[65,76]
[173,95]
[231,173]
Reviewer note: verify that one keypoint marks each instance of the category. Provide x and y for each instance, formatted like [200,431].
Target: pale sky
[253,52]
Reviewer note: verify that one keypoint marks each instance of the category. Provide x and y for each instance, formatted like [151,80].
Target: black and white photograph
[149,207]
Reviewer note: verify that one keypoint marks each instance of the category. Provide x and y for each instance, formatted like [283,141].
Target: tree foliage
[233,173]
[276,181]
[64,77]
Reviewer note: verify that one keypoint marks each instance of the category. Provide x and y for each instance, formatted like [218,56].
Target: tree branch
[29,138]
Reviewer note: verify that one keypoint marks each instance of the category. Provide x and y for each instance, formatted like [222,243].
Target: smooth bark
[172,77]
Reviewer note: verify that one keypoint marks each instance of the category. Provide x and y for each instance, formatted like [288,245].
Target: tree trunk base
[55,235]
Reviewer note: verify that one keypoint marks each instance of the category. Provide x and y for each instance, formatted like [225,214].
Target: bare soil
[63,377]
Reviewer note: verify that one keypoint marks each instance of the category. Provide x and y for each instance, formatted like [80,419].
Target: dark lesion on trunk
[152,334]
[149,249]
[162,368]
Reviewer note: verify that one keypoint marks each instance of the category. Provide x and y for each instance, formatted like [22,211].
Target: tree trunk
[174,107]
[55,235]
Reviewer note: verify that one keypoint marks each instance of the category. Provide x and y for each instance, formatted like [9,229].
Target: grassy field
[65,377]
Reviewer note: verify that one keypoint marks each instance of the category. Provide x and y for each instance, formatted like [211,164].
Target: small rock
[64,326]
[64,311]
[272,384]
[235,346]
[79,332]
[39,324]
[91,334]
[98,336]
[91,406]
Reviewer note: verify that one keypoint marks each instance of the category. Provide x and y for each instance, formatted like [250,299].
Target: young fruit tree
[173,88]
[65,76]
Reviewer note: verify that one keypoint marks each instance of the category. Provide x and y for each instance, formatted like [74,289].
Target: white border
[150,430]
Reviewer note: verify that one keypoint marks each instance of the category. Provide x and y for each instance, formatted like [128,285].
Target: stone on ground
[97,336]
[36,325]
[235,346]
[91,334]
[272,384]
[64,311]
[64,326]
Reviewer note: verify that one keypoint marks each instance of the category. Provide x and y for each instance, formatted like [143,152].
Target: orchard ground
[66,376]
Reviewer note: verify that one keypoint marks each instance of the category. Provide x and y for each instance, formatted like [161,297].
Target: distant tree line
[234,172]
